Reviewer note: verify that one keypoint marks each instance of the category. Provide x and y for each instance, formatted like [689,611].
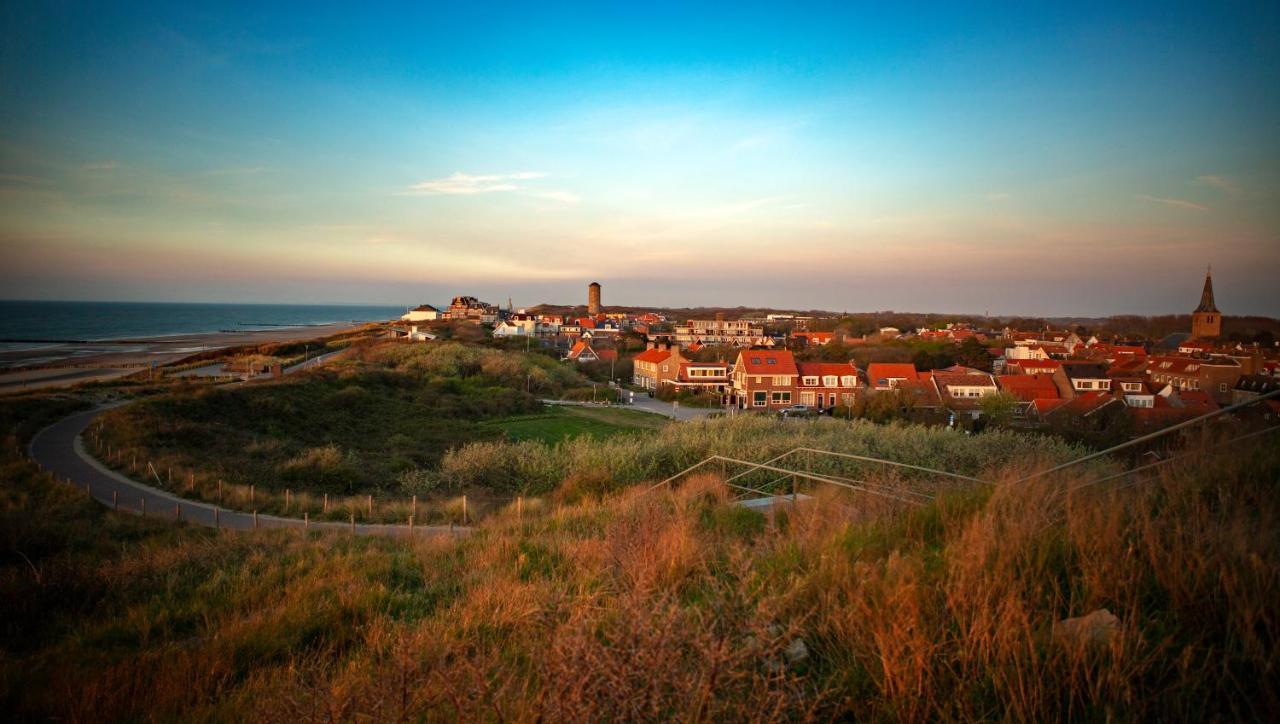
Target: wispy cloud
[1223,184]
[561,196]
[1172,203]
[468,184]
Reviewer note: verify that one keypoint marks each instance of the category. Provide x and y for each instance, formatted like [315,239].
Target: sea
[41,322]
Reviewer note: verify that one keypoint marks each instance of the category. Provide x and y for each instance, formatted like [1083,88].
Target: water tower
[593,298]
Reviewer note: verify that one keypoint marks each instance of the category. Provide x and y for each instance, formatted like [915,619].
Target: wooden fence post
[326,502]
[255,518]
[142,502]
[353,521]
[169,475]
[251,493]
[370,506]
[464,510]
[306,519]
[520,508]
[177,512]
[410,524]
[217,522]
[219,490]
[115,500]
[191,484]
[286,499]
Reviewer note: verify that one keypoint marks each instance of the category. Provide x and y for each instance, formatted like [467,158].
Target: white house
[422,313]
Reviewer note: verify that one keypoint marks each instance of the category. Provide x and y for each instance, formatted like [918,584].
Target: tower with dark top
[593,298]
[1206,321]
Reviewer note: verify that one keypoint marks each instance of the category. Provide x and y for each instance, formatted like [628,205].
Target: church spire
[1206,297]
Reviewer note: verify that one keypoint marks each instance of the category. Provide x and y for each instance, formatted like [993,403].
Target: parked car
[798,411]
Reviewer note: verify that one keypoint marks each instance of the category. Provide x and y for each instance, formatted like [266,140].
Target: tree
[998,409]
[972,353]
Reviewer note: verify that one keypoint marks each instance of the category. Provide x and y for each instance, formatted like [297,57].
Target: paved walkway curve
[58,449]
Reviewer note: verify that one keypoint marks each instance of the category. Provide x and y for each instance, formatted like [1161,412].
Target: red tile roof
[767,362]
[879,373]
[654,355]
[820,369]
[1029,387]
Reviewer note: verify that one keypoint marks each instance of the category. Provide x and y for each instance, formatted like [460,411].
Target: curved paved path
[58,449]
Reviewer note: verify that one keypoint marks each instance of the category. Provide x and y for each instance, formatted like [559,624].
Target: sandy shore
[59,365]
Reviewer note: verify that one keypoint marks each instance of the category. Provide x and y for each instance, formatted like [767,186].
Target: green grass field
[560,422]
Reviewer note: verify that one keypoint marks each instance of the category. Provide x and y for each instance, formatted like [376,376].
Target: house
[1216,374]
[1076,378]
[1251,387]
[582,352]
[827,384]
[1094,411]
[961,388]
[421,313]
[471,309]
[656,366]
[710,377]
[419,333]
[738,332]
[813,339]
[883,376]
[764,379]
[1033,366]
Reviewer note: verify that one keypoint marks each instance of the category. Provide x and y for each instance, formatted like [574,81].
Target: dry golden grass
[678,604]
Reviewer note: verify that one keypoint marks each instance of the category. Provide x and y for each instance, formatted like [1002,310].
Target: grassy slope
[660,606]
[560,422]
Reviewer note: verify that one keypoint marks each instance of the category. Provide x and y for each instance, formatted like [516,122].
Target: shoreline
[70,363]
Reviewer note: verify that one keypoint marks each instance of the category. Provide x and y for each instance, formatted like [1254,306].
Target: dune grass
[667,605]
[560,422]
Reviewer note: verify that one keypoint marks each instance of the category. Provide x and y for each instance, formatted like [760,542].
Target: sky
[1020,158]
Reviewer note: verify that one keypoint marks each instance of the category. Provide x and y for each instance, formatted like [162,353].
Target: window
[811,381]
[1222,387]
[755,360]
[771,361]
[829,380]
[1084,384]
[847,381]
[781,380]
[759,399]
[782,398]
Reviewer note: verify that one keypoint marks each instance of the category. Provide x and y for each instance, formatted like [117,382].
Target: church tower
[1206,321]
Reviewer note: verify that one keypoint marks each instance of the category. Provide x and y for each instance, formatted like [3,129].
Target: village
[1096,386]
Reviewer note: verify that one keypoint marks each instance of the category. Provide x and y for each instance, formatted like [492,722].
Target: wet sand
[62,364]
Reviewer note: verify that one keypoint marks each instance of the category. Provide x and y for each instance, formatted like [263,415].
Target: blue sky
[1002,158]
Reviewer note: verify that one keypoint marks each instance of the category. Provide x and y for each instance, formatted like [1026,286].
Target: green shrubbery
[536,468]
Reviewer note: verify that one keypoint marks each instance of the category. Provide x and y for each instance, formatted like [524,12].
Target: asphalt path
[59,449]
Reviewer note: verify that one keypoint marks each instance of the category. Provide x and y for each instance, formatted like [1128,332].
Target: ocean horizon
[34,322]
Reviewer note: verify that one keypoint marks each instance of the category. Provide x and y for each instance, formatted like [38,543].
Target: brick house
[764,379]
[657,366]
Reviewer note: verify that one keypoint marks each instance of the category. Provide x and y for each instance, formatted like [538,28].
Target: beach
[41,366]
